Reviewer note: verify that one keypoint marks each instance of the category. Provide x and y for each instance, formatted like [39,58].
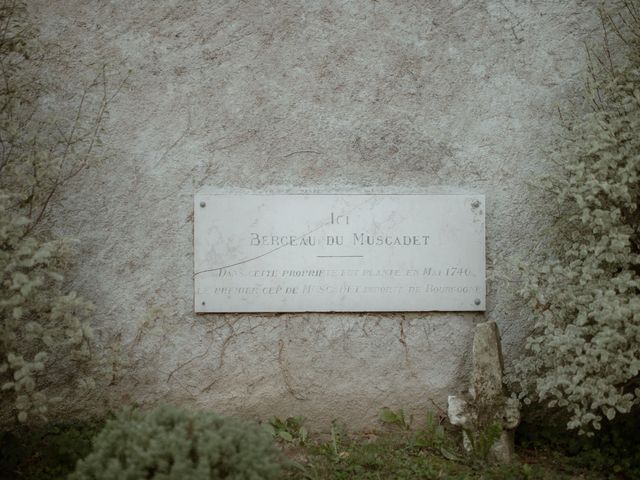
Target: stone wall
[360,96]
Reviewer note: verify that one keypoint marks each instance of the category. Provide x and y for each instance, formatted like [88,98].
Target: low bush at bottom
[170,443]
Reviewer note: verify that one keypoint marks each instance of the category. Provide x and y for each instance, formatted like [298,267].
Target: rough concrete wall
[408,96]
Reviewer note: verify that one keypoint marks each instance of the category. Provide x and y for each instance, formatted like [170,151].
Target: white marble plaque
[339,253]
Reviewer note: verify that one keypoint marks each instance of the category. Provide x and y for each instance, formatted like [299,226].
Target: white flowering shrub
[44,329]
[584,355]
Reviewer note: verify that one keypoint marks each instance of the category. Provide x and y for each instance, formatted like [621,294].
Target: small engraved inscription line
[339,256]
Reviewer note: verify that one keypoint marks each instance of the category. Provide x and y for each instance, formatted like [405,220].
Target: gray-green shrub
[174,444]
[45,331]
[584,355]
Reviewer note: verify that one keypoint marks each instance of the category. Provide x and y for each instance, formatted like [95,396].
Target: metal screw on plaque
[203,302]
[474,204]
[203,204]
[477,301]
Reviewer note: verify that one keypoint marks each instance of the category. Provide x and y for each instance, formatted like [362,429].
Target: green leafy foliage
[50,451]
[481,442]
[45,333]
[291,430]
[584,354]
[426,453]
[398,418]
[171,443]
[338,432]
[433,437]
[383,458]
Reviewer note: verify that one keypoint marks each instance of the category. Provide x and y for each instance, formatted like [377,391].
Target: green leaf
[285,435]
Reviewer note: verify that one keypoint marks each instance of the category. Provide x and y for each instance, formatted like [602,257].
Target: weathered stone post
[487,403]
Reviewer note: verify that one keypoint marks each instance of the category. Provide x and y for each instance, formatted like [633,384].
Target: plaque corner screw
[476,301]
[474,204]
[203,302]
[203,204]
